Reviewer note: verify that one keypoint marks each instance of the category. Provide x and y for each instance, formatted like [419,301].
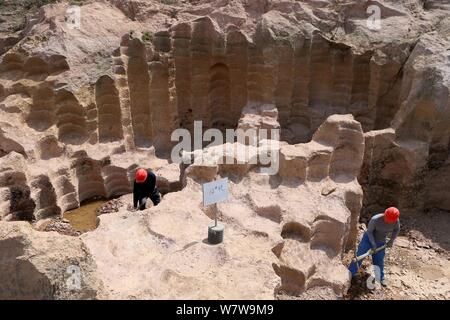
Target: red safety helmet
[141,175]
[391,214]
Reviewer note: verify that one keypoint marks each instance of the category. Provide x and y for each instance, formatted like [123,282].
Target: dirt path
[417,267]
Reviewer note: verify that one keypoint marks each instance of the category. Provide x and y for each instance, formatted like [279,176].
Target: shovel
[368,253]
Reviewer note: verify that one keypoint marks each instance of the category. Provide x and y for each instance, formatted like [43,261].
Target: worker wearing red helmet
[375,236]
[144,188]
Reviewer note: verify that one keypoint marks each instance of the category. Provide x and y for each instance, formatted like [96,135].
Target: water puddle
[84,218]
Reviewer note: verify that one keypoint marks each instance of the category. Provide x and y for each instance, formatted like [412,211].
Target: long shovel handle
[368,253]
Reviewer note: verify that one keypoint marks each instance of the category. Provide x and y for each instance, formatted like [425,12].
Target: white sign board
[215,191]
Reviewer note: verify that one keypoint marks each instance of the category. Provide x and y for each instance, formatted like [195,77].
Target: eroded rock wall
[406,164]
[284,235]
[81,107]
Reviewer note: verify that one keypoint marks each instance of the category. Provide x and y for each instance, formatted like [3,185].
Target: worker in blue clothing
[375,236]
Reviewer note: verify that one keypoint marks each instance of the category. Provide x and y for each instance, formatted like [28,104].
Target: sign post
[214,192]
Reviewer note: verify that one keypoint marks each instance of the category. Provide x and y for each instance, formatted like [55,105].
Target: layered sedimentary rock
[108,104]
[85,100]
[285,235]
[52,185]
[48,266]
[211,63]
[405,164]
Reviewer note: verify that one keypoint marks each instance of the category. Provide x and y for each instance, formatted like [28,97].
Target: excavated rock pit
[363,114]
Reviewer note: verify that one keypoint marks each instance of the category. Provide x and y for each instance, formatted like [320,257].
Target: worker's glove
[390,244]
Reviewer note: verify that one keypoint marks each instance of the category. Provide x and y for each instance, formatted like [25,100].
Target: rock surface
[88,94]
[37,265]
[71,83]
[280,228]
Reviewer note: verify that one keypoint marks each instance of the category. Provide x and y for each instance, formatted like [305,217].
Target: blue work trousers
[377,258]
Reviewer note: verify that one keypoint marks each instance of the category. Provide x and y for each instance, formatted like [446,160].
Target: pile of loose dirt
[62,226]
[111,206]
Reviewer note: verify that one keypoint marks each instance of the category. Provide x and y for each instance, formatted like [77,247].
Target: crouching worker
[375,236]
[145,187]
